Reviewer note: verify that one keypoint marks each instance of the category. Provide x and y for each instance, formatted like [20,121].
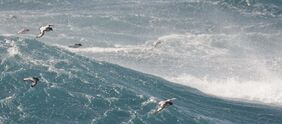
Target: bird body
[44,29]
[33,80]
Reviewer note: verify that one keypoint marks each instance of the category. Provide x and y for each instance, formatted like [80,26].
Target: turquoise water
[220,59]
[75,89]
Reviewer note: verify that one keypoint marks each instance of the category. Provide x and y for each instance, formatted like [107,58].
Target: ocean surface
[220,59]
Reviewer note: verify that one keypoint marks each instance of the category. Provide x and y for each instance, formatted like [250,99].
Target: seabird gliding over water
[76,45]
[33,80]
[164,104]
[44,29]
[23,31]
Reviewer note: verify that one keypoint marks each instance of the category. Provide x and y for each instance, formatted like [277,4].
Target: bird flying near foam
[164,104]
[23,31]
[44,29]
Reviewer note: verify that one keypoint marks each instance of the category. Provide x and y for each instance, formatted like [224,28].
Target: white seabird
[33,80]
[44,29]
[164,104]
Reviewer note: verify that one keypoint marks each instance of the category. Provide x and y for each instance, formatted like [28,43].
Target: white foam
[12,48]
[97,50]
[265,91]
[178,52]
[8,35]
[150,100]
[174,44]
[2,120]
[248,2]
[13,51]
[7,100]
[116,49]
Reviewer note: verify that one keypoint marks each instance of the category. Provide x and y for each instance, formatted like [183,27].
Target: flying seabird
[164,104]
[12,17]
[44,29]
[76,45]
[23,31]
[33,80]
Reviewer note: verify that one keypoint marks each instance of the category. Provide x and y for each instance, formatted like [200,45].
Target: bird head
[36,78]
[170,103]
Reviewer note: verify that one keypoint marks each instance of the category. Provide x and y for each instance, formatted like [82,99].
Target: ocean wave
[98,92]
[214,57]
[213,46]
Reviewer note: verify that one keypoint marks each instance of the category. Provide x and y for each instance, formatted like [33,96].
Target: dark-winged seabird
[76,45]
[12,17]
[33,80]
[44,29]
[23,31]
[164,104]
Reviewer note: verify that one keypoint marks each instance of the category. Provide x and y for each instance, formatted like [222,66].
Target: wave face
[75,89]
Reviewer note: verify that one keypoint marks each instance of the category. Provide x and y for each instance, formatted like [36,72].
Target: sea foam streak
[209,59]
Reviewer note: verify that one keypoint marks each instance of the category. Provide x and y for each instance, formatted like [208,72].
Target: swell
[75,89]
[217,64]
